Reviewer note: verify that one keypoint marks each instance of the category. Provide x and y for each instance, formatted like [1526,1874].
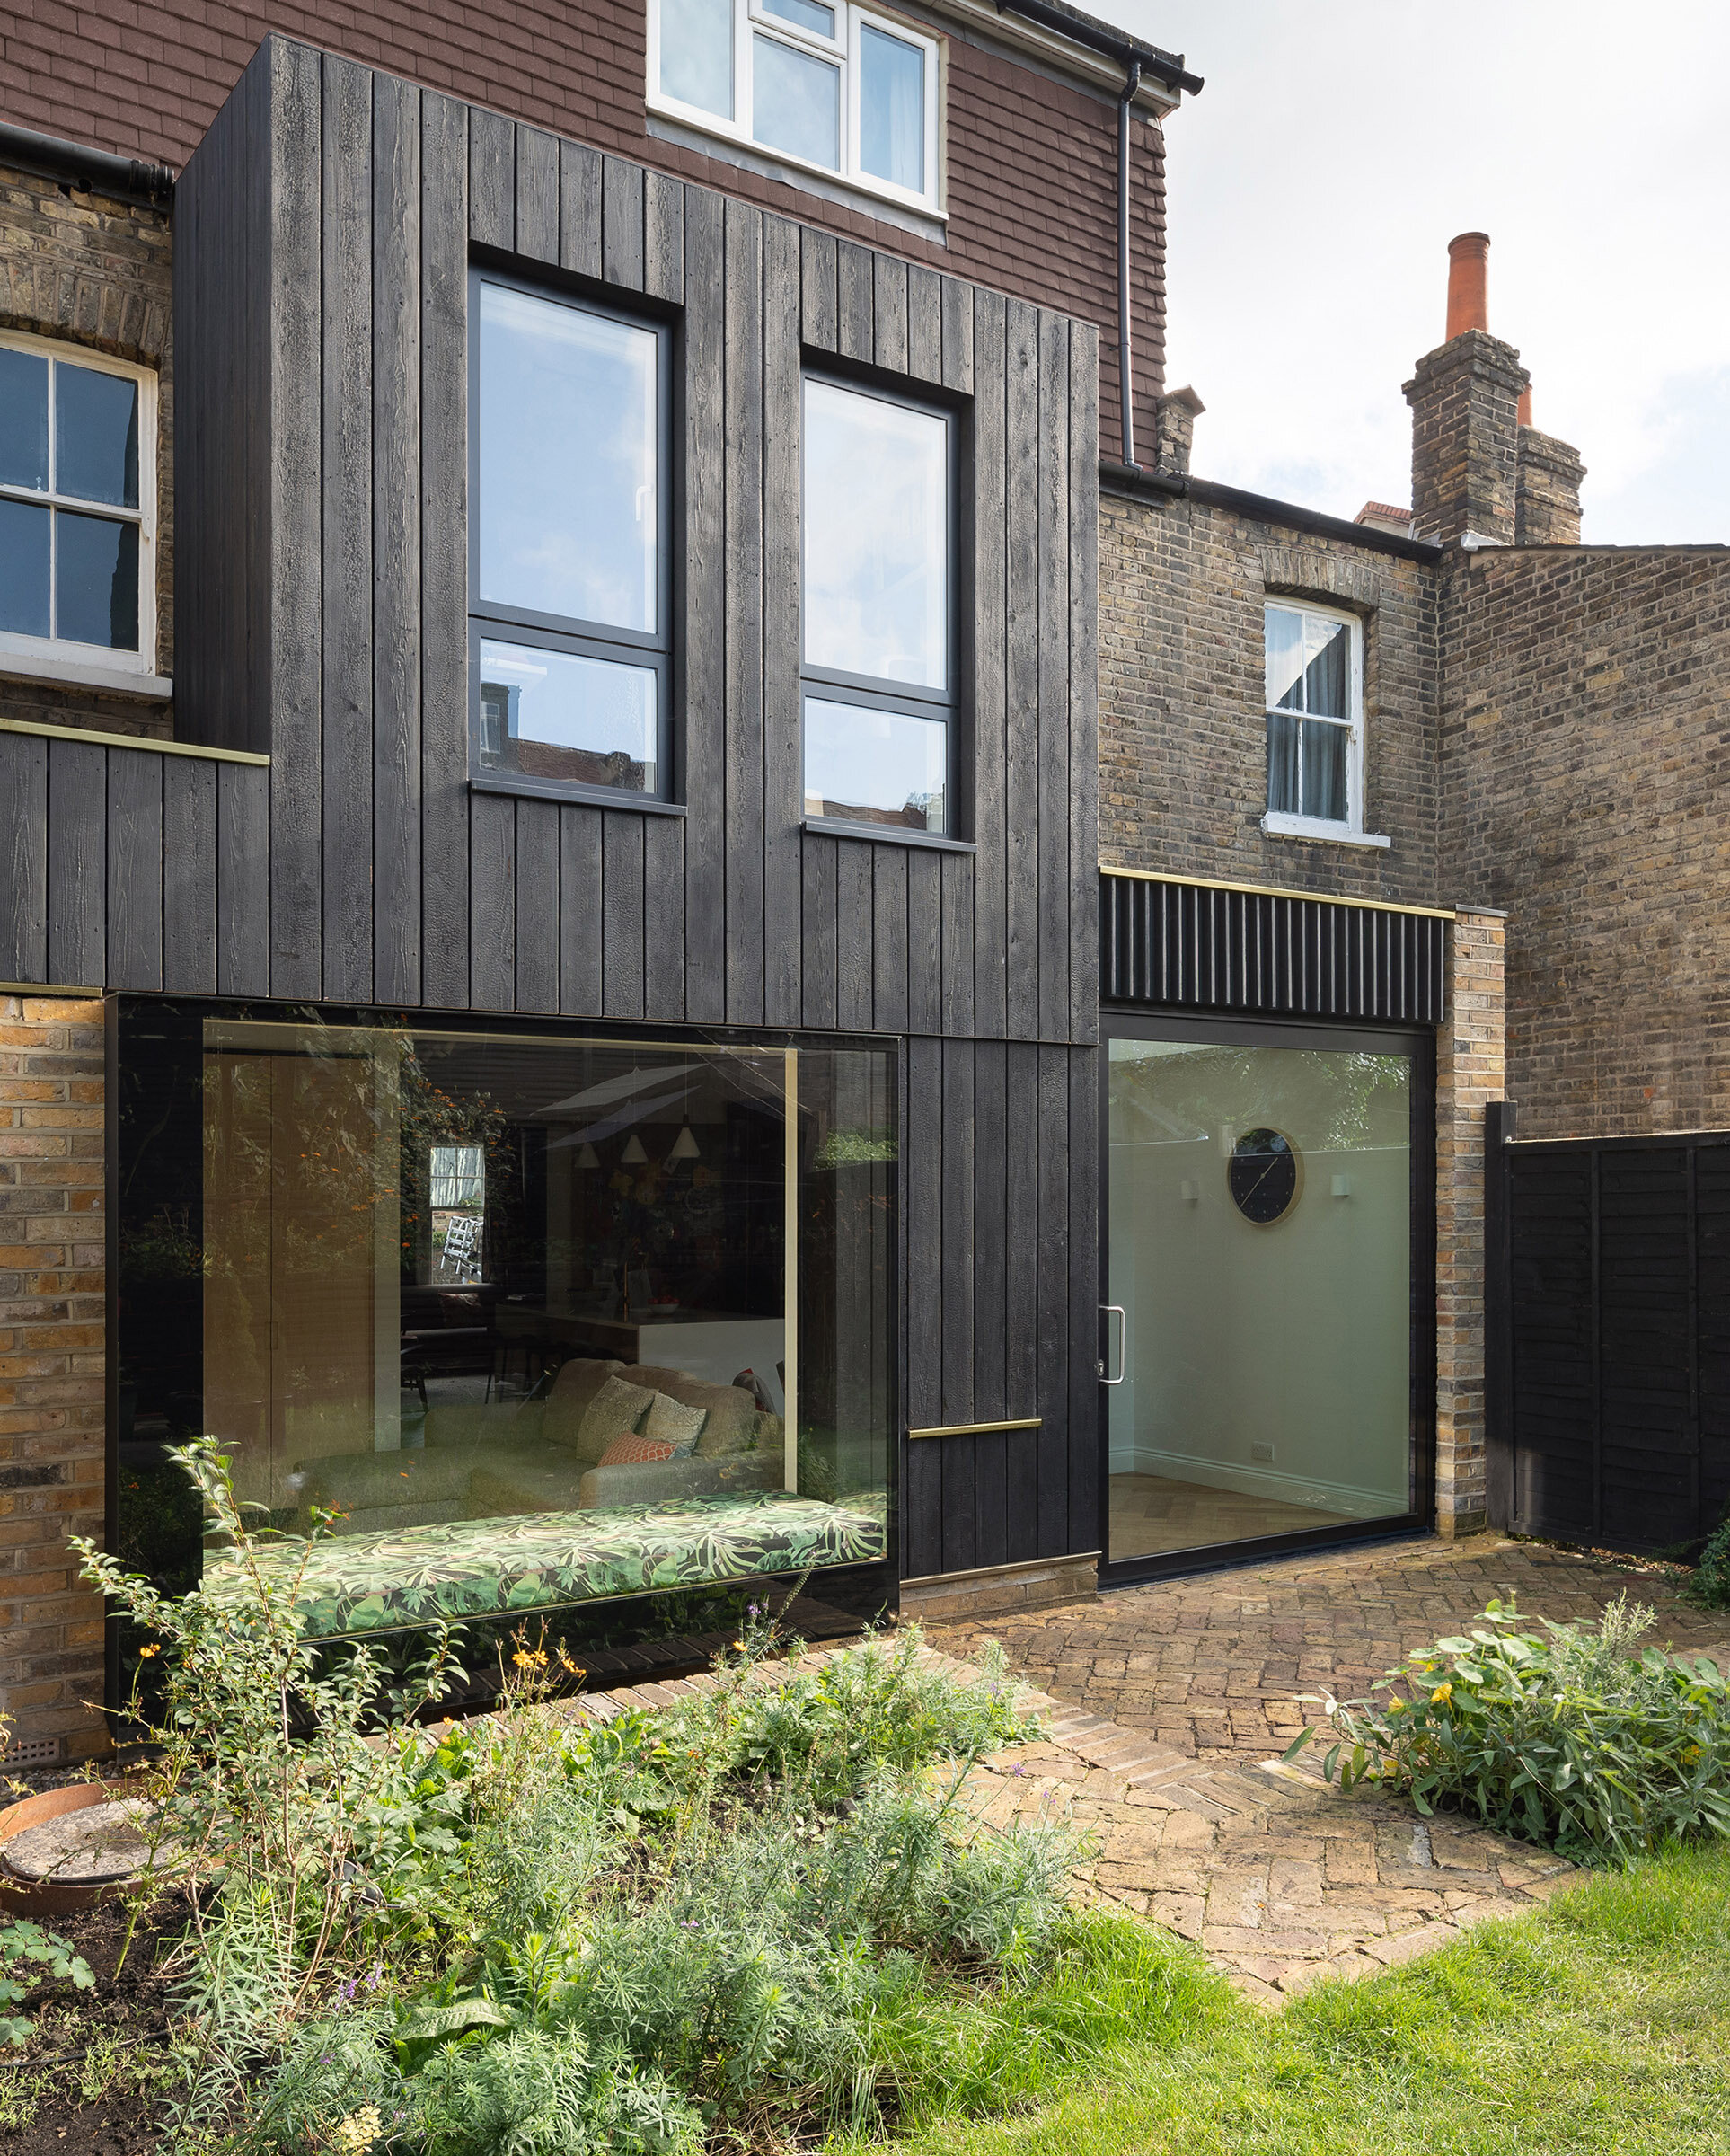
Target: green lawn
[1600,2023]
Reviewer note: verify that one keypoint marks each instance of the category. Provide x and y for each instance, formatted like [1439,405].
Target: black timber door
[1610,1382]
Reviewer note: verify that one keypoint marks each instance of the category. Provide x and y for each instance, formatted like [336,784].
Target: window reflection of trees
[1335,1100]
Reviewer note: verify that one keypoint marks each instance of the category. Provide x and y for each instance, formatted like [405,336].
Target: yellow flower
[149,1651]
[1394,1706]
[354,2135]
[1441,1695]
[1691,1754]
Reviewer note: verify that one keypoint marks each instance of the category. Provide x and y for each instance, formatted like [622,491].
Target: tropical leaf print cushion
[358,1583]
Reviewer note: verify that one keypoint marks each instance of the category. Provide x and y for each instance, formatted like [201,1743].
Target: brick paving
[1212,1666]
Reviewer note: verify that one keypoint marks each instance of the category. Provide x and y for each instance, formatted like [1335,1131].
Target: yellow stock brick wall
[51,1371]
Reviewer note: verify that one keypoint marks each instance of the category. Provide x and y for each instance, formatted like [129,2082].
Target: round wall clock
[1265,1175]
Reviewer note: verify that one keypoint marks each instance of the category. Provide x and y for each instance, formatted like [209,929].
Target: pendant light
[588,1157]
[686,1146]
[634,1155]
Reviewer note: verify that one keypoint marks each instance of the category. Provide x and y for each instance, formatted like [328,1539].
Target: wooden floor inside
[1151,1514]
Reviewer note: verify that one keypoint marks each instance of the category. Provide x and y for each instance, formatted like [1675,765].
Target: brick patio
[1212,1666]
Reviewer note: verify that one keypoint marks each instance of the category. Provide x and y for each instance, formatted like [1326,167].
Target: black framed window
[569,587]
[879,617]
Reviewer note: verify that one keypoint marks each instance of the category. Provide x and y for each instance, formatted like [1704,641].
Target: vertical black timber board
[492,180]
[1083,1181]
[537,194]
[990,670]
[579,911]
[492,902]
[622,914]
[23,857]
[920,1182]
[244,879]
[743,396]
[622,224]
[703,644]
[782,778]
[443,552]
[538,906]
[296,537]
[958,1167]
[135,868]
[856,334]
[956,1015]
[396,542]
[579,209]
[664,960]
[1053,721]
[924,324]
[78,864]
[925,938]
[1021,1287]
[818,322]
[1083,900]
[889,938]
[663,237]
[1053,1302]
[189,875]
[989,1230]
[957,322]
[853,903]
[817,924]
[889,325]
[1021,760]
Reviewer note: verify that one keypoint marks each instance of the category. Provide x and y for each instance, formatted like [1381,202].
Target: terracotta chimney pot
[1468,284]
[1522,417]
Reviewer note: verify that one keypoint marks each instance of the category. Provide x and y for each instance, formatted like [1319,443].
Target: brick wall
[1585,769]
[1470,1073]
[96,272]
[1182,774]
[1032,161]
[51,1363]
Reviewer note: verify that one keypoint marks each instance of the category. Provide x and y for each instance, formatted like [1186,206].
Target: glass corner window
[77,502]
[1314,666]
[568,568]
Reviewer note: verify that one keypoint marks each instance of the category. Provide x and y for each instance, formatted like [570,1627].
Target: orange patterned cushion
[631,1451]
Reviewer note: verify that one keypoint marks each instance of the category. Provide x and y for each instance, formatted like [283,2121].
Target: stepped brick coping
[1279,1877]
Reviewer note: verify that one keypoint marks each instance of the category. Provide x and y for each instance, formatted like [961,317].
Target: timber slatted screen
[1612,1409]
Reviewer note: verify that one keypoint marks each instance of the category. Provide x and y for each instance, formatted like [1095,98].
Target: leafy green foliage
[1566,1737]
[30,1955]
[1709,1584]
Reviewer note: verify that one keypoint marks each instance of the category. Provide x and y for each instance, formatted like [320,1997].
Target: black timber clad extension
[1212,948]
[323,234]
[1609,1285]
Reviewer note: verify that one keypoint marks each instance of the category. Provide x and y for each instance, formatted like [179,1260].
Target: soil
[133,2008]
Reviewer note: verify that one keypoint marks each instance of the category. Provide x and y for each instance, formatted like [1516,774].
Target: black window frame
[871,692]
[494,619]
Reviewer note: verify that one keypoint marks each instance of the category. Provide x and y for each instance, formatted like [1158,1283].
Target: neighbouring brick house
[627,1032]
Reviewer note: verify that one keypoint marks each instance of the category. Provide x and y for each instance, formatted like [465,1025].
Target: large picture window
[1313,661]
[568,570]
[823,85]
[878,624]
[77,505]
[527,1321]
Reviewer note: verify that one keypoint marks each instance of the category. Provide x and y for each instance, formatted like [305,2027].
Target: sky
[1339,144]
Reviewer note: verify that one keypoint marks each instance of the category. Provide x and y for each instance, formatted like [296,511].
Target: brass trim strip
[1274,890]
[1030,1564]
[165,748]
[979,1429]
[55,988]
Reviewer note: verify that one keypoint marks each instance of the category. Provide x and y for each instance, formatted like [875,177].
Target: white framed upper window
[1313,671]
[77,507]
[824,84]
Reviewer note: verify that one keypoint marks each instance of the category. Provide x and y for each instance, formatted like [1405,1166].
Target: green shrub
[1563,1736]
[1709,1585]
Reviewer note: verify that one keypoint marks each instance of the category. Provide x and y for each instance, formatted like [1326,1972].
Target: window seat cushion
[417,1576]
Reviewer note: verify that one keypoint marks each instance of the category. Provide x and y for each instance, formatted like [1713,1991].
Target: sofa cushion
[616,1411]
[361,1481]
[729,1416]
[633,1451]
[501,1422]
[573,1391]
[671,1423]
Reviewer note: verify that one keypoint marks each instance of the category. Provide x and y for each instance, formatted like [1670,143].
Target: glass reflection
[560,715]
[1309,664]
[95,580]
[796,102]
[874,767]
[809,14]
[892,108]
[23,568]
[23,420]
[95,435]
[697,54]
[876,510]
[568,462]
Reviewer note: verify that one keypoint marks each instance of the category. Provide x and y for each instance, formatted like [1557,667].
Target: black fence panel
[1608,1286]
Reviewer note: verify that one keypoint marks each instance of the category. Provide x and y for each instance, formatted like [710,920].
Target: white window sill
[85,674]
[1313,827]
[716,137]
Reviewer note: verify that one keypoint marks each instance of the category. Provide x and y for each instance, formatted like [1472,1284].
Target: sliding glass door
[1267,1346]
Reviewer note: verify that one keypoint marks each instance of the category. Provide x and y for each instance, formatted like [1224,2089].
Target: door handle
[1115,1310]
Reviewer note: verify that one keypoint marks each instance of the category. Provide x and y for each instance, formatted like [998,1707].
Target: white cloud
[1337,148]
